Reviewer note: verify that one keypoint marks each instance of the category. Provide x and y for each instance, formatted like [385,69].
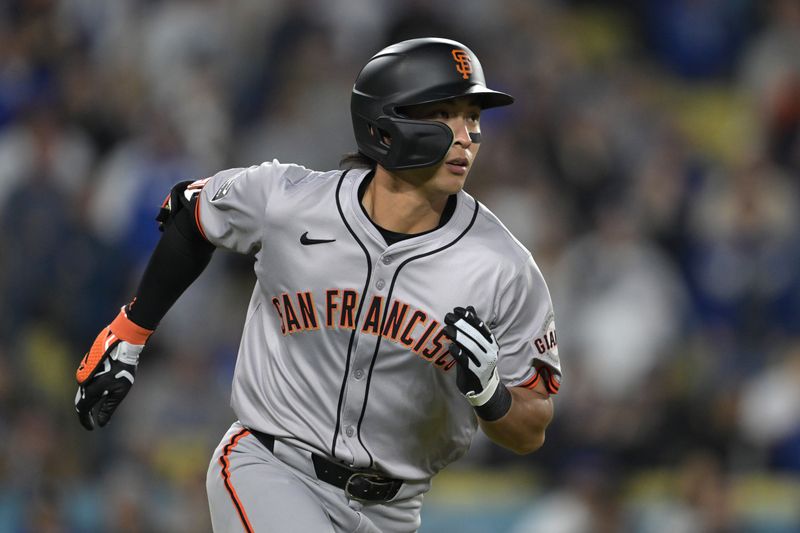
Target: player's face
[462,115]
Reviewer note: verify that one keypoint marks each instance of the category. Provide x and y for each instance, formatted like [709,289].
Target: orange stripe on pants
[226,476]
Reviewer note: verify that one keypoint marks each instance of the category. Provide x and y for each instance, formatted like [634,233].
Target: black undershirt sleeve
[178,259]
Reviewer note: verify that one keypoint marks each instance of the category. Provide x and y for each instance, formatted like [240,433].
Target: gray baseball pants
[254,490]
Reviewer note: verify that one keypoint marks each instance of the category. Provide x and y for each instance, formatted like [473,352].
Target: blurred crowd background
[651,163]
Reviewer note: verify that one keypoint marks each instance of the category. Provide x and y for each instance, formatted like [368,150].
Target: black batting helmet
[416,71]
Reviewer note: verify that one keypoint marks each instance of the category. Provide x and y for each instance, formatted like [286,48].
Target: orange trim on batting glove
[121,329]
[127,331]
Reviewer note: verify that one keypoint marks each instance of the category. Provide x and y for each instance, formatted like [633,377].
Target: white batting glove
[475,350]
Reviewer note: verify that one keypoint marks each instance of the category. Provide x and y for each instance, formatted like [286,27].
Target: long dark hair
[357,160]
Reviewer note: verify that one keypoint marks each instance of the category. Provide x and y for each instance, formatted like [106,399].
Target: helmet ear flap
[414,143]
[368,136]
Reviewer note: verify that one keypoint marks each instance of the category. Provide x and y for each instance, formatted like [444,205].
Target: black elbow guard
[179,208]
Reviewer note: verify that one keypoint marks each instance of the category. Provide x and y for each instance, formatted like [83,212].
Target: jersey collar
[460,220]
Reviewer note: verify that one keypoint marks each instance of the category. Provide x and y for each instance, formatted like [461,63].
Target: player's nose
[461,132]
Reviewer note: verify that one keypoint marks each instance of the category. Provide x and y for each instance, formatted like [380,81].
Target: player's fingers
[450,318]
[478,325]
[84,408]
[473,320]
[458,354]
[474,330]
[465,353]
[470,338]
[107,408]
[111,401]
[86,419]
[466,380]
[472,350]
[450,331]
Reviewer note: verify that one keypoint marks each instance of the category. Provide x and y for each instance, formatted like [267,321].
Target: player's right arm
[107,371]
[225,211]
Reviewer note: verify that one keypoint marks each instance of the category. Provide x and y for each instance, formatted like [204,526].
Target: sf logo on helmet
[463,64]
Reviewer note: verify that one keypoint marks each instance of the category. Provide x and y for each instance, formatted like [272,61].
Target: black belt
[357,484]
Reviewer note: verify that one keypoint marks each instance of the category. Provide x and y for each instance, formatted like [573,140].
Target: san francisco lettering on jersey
[399,322]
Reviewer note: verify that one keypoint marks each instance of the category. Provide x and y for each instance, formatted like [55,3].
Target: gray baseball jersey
[343,348]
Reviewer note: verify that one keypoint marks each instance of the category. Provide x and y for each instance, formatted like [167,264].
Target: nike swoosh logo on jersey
[305,240]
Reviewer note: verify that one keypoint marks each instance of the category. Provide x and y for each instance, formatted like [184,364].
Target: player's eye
[440,114]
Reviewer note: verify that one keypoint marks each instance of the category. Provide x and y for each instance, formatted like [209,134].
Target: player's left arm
[514,417]
[522,428]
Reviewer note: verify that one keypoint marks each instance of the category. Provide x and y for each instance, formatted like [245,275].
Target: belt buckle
[366,476]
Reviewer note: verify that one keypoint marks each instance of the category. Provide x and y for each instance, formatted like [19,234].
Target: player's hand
[475,350]
[108,370]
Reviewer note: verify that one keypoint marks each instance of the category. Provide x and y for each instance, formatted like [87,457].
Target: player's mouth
[457,165]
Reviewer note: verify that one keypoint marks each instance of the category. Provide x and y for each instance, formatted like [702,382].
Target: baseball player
[392,315]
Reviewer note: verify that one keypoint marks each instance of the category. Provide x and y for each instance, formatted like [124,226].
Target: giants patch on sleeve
[546,344]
